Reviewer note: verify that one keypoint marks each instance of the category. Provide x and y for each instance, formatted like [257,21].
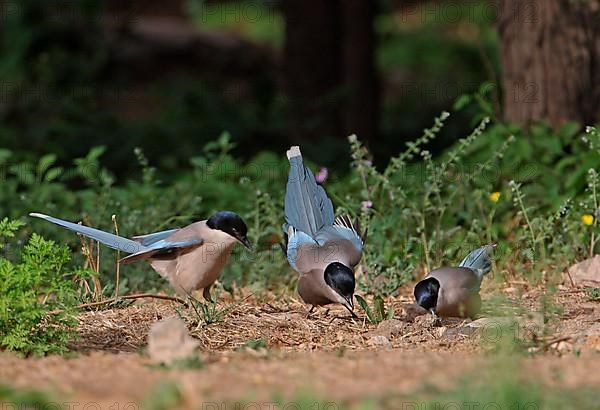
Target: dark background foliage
[81,74]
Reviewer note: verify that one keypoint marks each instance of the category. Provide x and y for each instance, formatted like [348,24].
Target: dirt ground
[326,355]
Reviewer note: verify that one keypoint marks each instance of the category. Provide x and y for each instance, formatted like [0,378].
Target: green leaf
[379,308]
[390,313]
[569,131]
[363,304]
[45,162]
[4,156]
[9,227]
[24,173]
[52,174]
[592,293]
[199,162]
[95,153]
[486,88]
[461,102]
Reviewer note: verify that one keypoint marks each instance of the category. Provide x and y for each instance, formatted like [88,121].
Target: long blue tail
[108,239]
[479,260]
[307,207]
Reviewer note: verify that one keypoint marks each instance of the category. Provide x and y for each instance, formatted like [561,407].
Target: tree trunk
[361,109]
[550,53]
[330,74]
[312,64]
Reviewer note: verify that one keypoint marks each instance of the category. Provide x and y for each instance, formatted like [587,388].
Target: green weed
[253,344]
[165,396]
[593,293]
[378,312]
[37,296]
[194,362]
[207,313]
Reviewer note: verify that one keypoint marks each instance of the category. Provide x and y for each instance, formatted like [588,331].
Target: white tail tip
[293,152]
[38,215]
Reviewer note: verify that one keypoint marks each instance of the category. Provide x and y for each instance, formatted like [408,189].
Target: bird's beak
[244,241]
[349,304]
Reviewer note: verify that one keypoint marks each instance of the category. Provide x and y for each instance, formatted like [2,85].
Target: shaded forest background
[171,76]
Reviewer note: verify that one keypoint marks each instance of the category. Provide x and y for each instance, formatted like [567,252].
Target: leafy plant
[8,228]
[164,396]
[193,362]
[378,313]
[207,313]
[417,208]
[593,293]
[37,296]
[254,344]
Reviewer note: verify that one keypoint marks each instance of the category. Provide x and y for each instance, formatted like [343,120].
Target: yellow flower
[587,219]
[495,196]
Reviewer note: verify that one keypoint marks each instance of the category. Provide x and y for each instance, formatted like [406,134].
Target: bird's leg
[310,311]
[193,308]
[327,311]
[438,320]
[206,294]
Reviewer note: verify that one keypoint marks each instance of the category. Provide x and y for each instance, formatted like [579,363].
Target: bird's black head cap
[426,293]
[232,224]
[340,278]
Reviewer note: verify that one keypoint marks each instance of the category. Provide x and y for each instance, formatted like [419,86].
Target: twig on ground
[555,341]
[118,268]
[130,297]
[570,279]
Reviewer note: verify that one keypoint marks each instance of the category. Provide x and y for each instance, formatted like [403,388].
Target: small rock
[458,332]
[427,321]
[380,341]
[169,340]
[389,328]
[586,273]
[491,322]
[563,346]
[412,310]
[491,329]
[533,322]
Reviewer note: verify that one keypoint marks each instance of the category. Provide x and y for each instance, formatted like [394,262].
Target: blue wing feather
[164,248]
[344,239]
[151,238]
[336,233]
[297,239]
